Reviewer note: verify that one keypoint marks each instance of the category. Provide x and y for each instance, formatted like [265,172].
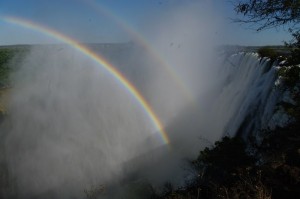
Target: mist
[72,126]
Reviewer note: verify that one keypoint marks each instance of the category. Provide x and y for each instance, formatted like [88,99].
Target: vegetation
[264,14]
[289,74]
[5,56]
[269,13]
[2,102]
[227,170]
[294,46]
[267,52]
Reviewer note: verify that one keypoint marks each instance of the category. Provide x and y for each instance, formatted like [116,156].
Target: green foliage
[5,56]
[226,171]
[294,47]
[290,72]
[222,164]
[290,75]
[269,13]
[227,155]
[268,52]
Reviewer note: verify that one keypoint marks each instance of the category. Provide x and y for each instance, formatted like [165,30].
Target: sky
[98,21]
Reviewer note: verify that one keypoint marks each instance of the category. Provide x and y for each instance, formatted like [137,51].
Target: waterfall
[247,96]
[85,131]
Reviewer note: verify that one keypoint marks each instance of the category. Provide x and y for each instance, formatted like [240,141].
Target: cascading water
[247,95]
[240,99]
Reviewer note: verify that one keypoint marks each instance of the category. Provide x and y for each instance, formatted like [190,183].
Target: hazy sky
[95,20]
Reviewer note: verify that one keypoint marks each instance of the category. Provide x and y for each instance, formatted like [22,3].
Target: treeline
[7,54]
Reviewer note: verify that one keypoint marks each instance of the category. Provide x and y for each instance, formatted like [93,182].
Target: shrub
[267,52]
[227,155]
[290,75]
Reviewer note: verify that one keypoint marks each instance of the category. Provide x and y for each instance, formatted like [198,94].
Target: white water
[247,96]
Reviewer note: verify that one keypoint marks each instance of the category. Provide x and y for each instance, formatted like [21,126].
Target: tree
[269,13]
[266,14]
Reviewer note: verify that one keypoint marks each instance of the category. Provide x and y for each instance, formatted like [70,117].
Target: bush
[267,52]
[6,55]
[290,75]
[227,155]
[294,47]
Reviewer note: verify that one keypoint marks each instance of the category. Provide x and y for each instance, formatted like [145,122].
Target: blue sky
[86,22]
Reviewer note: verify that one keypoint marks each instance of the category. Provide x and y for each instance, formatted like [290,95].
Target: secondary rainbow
[100,60]
[145,44]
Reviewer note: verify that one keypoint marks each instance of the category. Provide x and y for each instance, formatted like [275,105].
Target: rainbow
[98,59]
[146,45]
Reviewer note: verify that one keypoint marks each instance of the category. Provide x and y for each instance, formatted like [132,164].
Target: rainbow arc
[101,61]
